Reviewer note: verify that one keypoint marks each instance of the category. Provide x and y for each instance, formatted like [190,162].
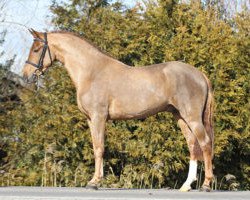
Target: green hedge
[47,139]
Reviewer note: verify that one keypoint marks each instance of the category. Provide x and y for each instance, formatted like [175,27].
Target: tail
[208,113]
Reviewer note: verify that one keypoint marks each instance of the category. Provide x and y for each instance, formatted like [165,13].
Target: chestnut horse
[108,89]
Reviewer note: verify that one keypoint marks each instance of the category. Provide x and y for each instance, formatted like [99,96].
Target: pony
[107,89]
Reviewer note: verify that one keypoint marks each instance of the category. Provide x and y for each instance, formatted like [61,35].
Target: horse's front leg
[97,128]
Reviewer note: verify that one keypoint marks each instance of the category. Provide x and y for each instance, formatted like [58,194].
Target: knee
[99,151]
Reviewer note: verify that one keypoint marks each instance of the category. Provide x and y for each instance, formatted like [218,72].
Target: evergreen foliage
[48,142]
[8,100]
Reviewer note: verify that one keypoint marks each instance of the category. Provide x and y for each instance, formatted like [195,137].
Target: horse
[107,89]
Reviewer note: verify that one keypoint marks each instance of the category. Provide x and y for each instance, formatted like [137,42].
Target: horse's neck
[79,58]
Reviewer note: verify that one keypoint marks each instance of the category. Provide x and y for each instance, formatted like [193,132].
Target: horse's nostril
[34,78]
[25,78]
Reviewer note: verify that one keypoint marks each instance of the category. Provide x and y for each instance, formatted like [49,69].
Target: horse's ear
[34,33]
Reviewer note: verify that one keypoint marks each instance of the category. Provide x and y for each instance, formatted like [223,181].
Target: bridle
[39,66]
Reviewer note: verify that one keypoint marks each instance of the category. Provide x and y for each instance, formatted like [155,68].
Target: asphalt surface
[63,193]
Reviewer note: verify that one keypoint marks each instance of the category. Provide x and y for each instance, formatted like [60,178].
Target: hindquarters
[193,100]
[191,95]
[188,91]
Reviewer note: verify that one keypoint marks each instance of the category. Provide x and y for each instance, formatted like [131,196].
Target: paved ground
[43,193]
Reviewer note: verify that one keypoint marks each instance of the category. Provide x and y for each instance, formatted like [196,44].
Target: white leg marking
[192,173]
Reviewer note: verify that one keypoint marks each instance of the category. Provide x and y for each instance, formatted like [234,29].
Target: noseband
[39,66]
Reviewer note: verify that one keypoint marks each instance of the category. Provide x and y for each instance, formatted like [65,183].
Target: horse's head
[40,57]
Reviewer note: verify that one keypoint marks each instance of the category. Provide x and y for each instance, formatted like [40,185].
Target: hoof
[91,186]
[205,188]
[185,188]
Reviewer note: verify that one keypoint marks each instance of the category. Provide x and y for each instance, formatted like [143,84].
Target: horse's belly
[135,110]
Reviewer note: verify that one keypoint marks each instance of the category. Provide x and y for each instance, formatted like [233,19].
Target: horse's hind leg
[205,143]
[195,154]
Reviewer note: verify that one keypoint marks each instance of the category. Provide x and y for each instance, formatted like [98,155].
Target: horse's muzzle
[30,79]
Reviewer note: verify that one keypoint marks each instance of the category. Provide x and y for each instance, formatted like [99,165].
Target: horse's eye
[36,50]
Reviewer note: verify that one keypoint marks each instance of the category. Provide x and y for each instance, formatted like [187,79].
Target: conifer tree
[51,143]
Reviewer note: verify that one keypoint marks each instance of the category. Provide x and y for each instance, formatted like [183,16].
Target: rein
[39,66]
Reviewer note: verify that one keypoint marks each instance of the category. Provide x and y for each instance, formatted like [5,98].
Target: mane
[84,39]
